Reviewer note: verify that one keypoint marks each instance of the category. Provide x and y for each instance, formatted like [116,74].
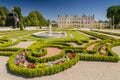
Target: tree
[47,22]
[3,14]
[41,19]
[113,12]
[33,18]
[18,11]
[6,11]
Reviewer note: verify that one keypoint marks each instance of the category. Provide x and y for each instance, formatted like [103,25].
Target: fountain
[50,30]
[49,34]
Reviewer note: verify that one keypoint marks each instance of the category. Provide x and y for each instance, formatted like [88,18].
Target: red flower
[22,61]
[17,63]
[72,55]
[59,62]
[31,65]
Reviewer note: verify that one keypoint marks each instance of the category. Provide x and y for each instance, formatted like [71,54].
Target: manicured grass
[77,35]
[27,35]
[16,34]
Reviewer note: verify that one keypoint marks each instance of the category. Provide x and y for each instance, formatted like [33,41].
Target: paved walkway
[23,44]
[51,51]
[108,34]
[116,50]
[91,47]
[83,70]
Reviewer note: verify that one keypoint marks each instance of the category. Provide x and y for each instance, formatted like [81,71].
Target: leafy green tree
[18,11]
[33,19]
[41,19]
[47,22]
[3,14]
[6,11]
[113,12]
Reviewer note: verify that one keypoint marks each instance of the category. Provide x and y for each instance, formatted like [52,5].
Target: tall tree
[2,17]
[42,21]
[18,11]
[3,14]
[33,18]
[113,12]
[6,11]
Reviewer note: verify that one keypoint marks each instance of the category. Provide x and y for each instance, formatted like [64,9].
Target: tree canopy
[3,14]
[113,12]
[34,18]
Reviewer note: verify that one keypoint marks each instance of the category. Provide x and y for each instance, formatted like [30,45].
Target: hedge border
[40,71]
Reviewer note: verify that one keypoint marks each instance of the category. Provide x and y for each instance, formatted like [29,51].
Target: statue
[12,19]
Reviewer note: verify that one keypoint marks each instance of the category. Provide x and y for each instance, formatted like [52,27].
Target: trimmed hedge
[40,71]
[36,52]
[88,57]
[111,46]
[97,35]
[116,34]
[8,51]
[47,59]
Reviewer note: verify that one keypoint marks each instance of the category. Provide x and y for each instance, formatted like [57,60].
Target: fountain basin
[49,35]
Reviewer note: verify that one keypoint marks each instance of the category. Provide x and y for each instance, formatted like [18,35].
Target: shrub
[40,71]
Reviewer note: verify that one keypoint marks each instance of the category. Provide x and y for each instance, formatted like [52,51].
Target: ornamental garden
[48,56]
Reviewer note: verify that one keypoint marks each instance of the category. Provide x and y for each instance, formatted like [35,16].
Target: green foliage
[18,11]
[52,58]
[35,18]
[42,70]
[97,35]
[21,26]
[114,11]
[111,33]
[87,57]
[39,52]
[3,14]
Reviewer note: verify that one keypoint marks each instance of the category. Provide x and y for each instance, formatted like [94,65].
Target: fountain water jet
[49,34]
[50,30]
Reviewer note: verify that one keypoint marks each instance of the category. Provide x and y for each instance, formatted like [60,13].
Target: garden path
[75,44]
[91,47]
[116,50]
[51,51]
[23,44]
[108,34]
[83,70]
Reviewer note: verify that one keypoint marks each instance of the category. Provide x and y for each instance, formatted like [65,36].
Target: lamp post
[113,22]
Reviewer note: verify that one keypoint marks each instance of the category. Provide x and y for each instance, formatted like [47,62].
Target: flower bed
[38,52]
[18,65]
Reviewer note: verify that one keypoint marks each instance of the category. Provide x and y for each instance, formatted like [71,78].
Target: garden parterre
[28,62]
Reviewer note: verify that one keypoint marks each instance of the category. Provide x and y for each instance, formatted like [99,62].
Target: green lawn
[26,35]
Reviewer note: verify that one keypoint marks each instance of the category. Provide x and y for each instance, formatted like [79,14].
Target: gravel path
[75,44]
[116,50]
[91,47]
[23,44]
[83,70]
[52,51]
[108,34]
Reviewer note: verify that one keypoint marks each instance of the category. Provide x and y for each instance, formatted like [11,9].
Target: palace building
[76,21]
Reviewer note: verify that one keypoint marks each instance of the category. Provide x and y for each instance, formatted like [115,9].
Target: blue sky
[51,8]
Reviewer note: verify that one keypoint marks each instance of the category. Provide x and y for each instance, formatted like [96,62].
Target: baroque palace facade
[80,22]
[76,21]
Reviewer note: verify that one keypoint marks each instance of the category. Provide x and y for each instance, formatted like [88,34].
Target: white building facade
[76,21]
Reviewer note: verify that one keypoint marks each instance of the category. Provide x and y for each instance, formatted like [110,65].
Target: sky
[50,9]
